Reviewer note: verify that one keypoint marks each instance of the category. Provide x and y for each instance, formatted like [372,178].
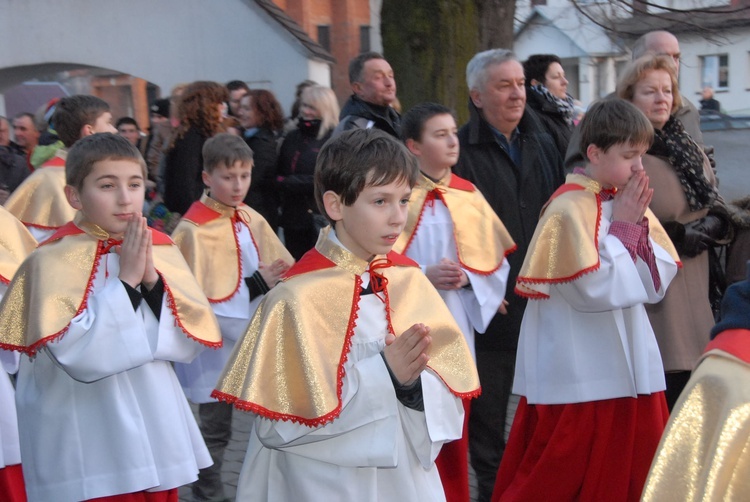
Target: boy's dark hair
[234,85]
[74,112]
[359,158]
[612,121]
[536,67]
[357,64]
[127,120]
[412,123]
[225,149]
[95,148]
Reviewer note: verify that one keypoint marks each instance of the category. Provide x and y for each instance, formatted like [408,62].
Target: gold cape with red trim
[703,453]
[52,286]
[565,244]
[15,245]
[40,200]
[482,241]
[207,239]
[289,363]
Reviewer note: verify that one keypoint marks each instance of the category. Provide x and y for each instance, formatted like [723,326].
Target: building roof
[295,30]
[589,37]
[707,22]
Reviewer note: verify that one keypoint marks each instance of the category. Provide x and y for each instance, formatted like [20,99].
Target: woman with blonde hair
[318,117]
[688,206]
[200,111]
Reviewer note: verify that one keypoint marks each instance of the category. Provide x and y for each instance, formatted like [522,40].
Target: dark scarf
[564,106]
[686,158]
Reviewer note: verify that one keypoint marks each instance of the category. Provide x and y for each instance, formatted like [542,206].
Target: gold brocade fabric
[704,454]
[15,245]
[289,364]
[52,286]
[210,248]
[565,243]
[40,200]
[482,241]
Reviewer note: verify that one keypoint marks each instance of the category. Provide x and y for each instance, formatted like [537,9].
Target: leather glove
[694,243]
[711,225]
[700,235]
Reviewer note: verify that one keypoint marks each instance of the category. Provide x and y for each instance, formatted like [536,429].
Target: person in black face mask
[300,219]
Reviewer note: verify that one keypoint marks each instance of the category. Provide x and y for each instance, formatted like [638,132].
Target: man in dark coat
[507,153]
[374,91]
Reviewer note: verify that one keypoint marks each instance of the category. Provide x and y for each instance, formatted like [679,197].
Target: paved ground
[732,161]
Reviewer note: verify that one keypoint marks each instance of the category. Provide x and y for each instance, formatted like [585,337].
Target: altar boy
[353,366]
[103,308]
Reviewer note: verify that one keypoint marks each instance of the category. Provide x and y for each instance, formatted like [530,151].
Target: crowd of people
[372,287]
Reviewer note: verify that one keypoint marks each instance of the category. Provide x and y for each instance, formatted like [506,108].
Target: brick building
[343,27]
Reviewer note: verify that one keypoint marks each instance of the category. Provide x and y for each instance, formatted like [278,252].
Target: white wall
[736,99]
[165,42]
[539,39]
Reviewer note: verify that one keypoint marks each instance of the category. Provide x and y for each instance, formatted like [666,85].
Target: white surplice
[199,377]
[591,339]
[10,450]
[100,409]
[474,307]
[376,450]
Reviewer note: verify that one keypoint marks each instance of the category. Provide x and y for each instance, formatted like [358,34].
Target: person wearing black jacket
[300,218]
[262,119]
[547,94]
[507,153]
[374,91]
[200,112]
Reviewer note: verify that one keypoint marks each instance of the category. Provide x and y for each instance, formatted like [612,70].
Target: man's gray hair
[476,70]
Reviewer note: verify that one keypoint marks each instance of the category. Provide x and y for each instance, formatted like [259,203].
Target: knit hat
[735,308]
[160,107]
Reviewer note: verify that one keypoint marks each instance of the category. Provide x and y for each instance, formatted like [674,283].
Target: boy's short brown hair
[412,123]
[225,149]
[359,158]
[74,112]
[96,148]
[613,121]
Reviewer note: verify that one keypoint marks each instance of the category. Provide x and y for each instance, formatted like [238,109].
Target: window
[324,37]
[715,71]
[364,39]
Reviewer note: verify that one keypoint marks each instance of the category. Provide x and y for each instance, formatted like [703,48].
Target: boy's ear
[86,130]
[413,147]
[593,152]
[333,205]
[71,193]
[206,178]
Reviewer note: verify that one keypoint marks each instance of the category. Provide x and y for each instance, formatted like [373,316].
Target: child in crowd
[353,365]
[460,243]
[236,258]
[588,367]
[103,308]
[39,202]
[15,245]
